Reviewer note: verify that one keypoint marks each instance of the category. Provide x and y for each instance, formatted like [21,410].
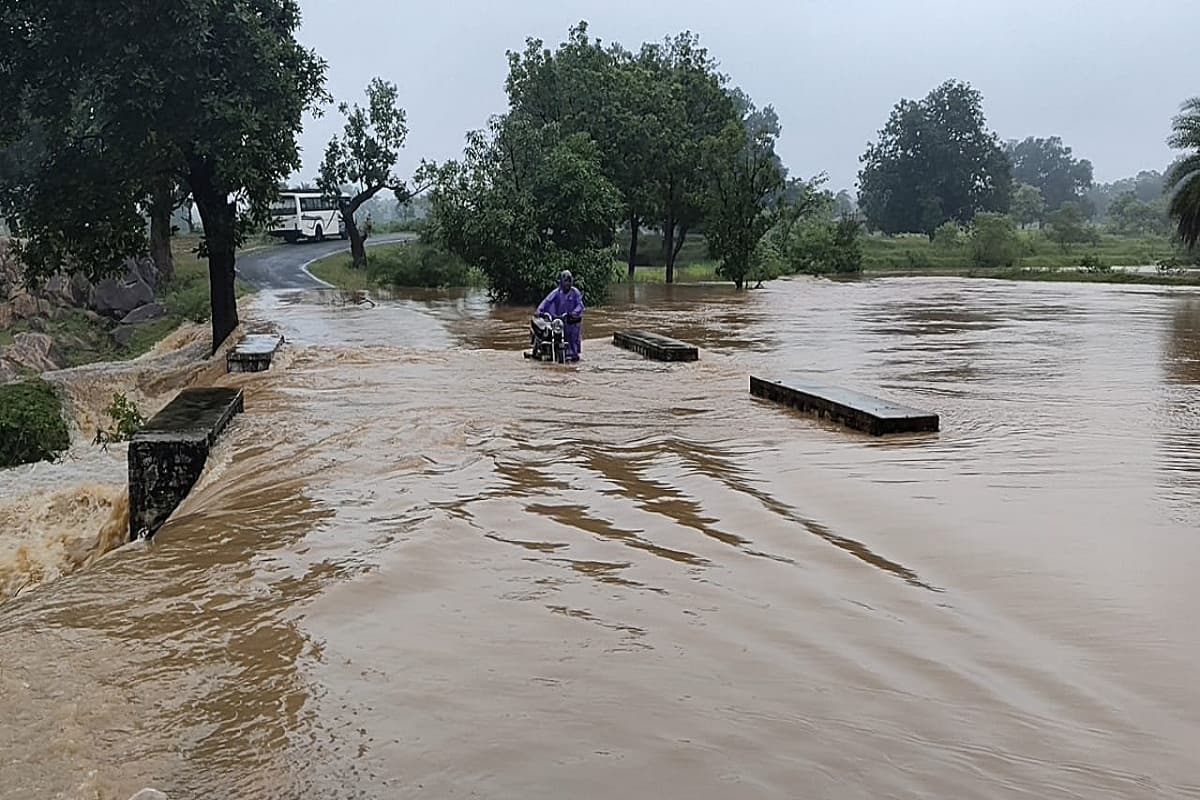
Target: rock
[124,334]
[144,314]
[64,290]
[9,372]
[116,298]
[24,305]
[6,316]
[35,351]
[149,794]
[144,270]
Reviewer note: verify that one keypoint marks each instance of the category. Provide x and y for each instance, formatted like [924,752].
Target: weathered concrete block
[652,345]
[254,353]
[852,409]
[167,456]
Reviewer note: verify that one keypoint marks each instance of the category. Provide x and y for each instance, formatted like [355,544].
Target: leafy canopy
[1184,177]
[935,161]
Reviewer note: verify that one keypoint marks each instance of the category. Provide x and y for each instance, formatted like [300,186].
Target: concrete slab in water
[167,456]
[846,407]
[254,353]
[652,345]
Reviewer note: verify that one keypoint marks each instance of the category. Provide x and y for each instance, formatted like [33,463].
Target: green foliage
[31,423]
[1049,166]
[123,96]
[915,253]
[525,203]
[1028,205]
[1067,226]
[418,265]
[994,241]
[935,160]
[744,173]
[1091,263]
[1147,186]
[691,106]
[1184,177]
[948,236]
[820,247]
[126,420]
[1130,216]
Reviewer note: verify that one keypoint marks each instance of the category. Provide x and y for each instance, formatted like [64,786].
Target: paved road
[284,266]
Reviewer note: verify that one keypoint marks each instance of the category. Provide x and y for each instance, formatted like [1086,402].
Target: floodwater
[421,566]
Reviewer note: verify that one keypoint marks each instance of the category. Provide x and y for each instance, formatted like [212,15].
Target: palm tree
[1183,180]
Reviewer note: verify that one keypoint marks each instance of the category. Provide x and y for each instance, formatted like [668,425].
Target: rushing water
[421,566]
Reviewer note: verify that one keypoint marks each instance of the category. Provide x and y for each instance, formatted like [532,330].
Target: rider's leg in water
[574,337]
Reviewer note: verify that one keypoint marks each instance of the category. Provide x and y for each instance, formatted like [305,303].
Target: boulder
[115,297]
[145,270]
[123,335]
[9,372]
[6,316]
[24,305]
[144,314]
[35,351]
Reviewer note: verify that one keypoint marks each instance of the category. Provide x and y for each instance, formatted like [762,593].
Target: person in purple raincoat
[566,303]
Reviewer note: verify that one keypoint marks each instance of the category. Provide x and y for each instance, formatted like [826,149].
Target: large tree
[692,107]
[524,203]
[1184,177]
[127,96]
[935,161]
[1049,165]
[364,157]
[744,174]
[1028,205]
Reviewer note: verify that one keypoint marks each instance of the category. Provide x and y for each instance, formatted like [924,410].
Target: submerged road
[285,266]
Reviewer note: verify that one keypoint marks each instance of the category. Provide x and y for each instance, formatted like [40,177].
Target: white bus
[302,215]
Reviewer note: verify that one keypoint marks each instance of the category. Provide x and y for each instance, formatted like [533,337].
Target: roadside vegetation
[31,423]
[409,265]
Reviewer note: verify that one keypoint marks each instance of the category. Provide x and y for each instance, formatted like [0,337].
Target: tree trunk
[220,238]
[358,247]
[669,247]
[634,224]
[160,231]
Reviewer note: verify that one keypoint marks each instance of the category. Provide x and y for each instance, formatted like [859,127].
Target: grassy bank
[82,338]
[408,265]
[915,252]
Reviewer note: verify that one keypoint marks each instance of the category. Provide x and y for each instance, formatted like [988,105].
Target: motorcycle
[547,339]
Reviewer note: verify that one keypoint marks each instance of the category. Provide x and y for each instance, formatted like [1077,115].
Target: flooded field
[421,566]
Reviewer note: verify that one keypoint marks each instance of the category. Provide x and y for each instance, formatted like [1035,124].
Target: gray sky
[1106,75]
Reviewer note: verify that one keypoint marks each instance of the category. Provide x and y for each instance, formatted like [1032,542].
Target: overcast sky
[1105,75]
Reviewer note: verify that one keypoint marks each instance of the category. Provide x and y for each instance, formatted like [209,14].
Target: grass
[408,265]
[917,253]
[338,269]
[1078,276]
[650,250]
[697,272]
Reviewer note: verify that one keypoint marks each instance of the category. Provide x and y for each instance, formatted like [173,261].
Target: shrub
[417,265]
[994,240]
[819,247]
[126,421]
[31,423]
[948,236]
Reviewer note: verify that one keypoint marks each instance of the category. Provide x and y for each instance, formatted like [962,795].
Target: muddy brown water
[420,566]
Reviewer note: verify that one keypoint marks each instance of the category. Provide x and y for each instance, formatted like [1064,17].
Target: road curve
[285,266]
